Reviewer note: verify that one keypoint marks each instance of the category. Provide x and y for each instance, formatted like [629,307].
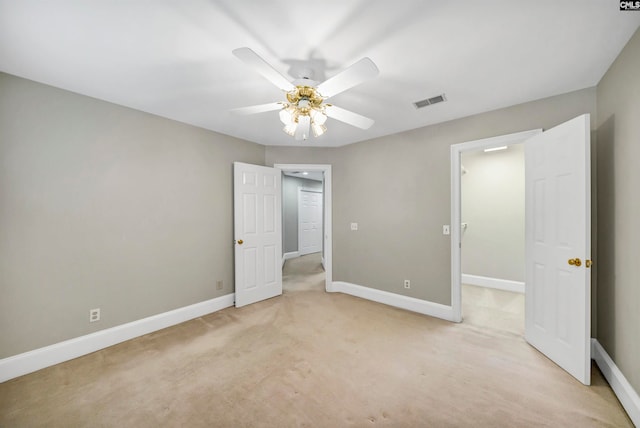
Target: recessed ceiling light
[306,173]
[495,149]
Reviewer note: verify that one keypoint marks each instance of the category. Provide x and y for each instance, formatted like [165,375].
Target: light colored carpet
[314,359]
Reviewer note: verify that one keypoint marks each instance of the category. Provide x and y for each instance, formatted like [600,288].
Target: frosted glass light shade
[317,129]
[319,118]
[285,116]
[302,130]
[290,129]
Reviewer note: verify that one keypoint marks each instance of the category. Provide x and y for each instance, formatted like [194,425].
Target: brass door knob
[240,242]
[575,262]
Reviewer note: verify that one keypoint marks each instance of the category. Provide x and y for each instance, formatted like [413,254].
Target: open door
[558,245]
[258,235]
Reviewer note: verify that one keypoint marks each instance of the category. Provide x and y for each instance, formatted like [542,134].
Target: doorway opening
[493,238]
[307,243]
[460,226]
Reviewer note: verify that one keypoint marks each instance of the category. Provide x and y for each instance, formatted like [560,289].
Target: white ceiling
[173,58]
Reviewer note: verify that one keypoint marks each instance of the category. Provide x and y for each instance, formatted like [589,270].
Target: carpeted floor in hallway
[311,359]
[488,308]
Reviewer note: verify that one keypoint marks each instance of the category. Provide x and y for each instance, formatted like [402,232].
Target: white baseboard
[627,396]
[291,255]
[28,362]
[409,303]
[500,284]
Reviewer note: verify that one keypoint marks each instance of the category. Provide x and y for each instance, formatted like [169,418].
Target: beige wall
[294,155]
[104,206]
[493,209]
[618,152]
[397,189]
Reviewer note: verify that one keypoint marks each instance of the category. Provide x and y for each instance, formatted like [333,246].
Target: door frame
[328,232]
[300,190]
[456,206]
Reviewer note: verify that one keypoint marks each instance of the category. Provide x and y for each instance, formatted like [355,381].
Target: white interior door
[557,234]
[309,221]
[258,235]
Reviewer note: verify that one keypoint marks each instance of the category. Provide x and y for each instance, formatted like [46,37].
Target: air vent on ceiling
[429,101]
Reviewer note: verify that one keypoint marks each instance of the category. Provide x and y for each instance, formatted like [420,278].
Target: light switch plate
[445,230]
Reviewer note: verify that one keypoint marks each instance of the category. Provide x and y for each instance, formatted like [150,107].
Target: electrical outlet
[354,226]
[94,315]
[407,283]
[219,284]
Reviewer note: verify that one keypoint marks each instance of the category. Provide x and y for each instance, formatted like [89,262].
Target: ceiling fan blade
[362,70]
[348,117]
[254,60]
[260,108]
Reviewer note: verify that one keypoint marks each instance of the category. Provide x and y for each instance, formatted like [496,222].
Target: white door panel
[257,229]
[309,221]
[558,207]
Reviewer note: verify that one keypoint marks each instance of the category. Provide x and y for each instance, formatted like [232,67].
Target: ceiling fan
[305,108]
